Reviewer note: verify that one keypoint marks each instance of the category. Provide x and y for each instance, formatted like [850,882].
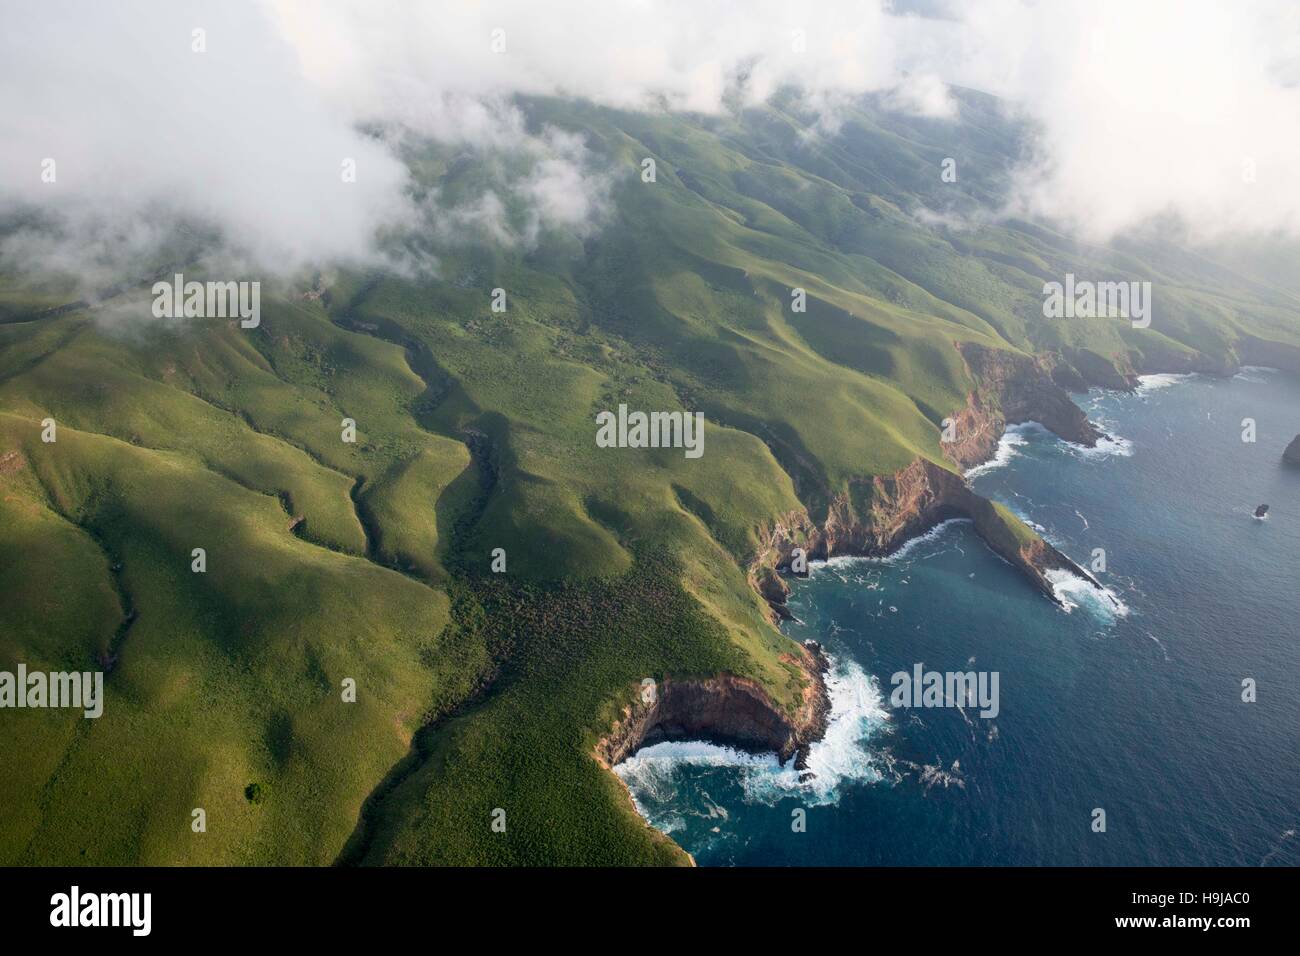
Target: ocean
[1128,702]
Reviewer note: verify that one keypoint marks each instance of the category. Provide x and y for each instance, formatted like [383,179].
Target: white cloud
[1145,108]
[387,54]
[1150,108]
[140,126]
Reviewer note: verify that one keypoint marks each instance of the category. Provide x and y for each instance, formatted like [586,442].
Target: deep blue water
[1136,710]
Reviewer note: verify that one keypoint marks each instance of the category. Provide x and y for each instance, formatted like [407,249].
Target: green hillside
[330,560]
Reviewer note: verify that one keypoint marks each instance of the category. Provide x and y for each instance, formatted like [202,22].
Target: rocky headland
[1011,389]
[876,515]
[1292,454]
[726,709]
[902,506]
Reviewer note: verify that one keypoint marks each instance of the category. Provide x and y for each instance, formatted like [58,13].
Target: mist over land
[825,230]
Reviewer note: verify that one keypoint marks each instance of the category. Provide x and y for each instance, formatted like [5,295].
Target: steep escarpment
[1256,351]
[1011,388]
[1078,369]
[725,709]
[876,517]
[1292,454]
[873,517]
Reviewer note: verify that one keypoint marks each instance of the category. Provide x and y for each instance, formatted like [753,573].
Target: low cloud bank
[279,126]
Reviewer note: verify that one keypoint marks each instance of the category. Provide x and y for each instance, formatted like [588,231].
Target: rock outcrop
[1114,372]
[1256,351]
[873,517]
[1010,389]
[1292,454]
[773,589]
[900,507]
[1077,369]
[725,709]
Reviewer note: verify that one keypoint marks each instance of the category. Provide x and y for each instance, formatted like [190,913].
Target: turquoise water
[1130,702]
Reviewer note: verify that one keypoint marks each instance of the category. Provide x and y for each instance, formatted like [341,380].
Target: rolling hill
[330,561]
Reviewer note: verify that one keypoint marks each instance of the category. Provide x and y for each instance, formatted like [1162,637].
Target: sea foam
[858,712]
[1151,383]
[844,561]
[1255,374]
[1016,436]
[1108,446]
[1074,592]
[1011,440]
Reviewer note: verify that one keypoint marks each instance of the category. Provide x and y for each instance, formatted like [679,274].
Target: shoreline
[728,710]
[1021,382]
[907,507]
[679,789]
[737,712]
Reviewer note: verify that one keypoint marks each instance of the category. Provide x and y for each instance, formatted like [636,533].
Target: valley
[371,561]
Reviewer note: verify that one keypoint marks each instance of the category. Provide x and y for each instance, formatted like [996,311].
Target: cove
[1128,700]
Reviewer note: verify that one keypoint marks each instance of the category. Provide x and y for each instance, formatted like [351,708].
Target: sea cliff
[873,517]
[725,709]
[903,506]
[876,515]
[1011,389]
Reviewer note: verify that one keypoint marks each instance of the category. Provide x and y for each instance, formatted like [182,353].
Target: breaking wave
[1075,592]
[1151,383]
[654,775]
[1011,440]
[1255,374]
[1108,446]
[1016,436]
[841,561]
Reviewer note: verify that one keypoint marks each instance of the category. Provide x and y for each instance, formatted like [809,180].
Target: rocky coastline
[739,712]
[904,506]
[726,709]
[1010,388]
[1292,454]
[878,514]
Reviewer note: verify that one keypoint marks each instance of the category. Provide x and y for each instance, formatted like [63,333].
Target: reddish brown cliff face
[724,709]
[1011,389]
[873,517]
[877,515]
[902,506]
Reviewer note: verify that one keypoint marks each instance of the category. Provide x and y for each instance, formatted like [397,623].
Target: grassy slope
[476,431]
[224,678]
